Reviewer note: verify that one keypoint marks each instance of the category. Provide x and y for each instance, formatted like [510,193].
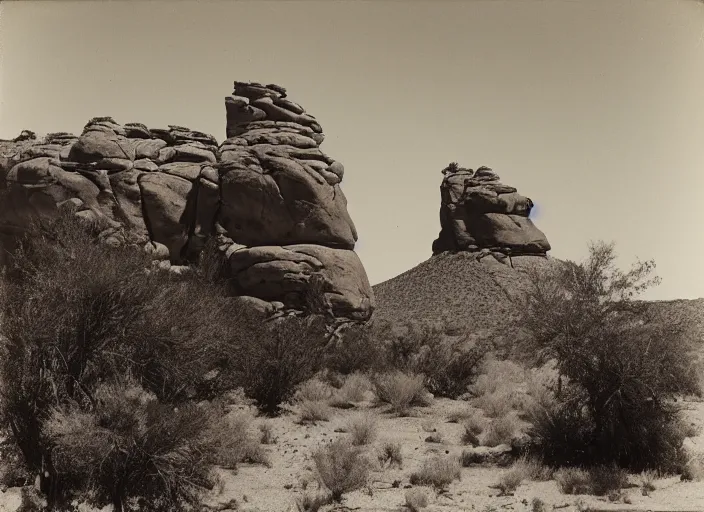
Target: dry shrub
[362,428]
[438,471]
[693,469]
[313,412]
[236,441]
[314,390]
[502,430]
[647,481]
[416,499]
[532,469]
[400,390]
[473,426]
[311,502]
[509,481]
[390,454]
[341,468]
[573,481]
[354,388]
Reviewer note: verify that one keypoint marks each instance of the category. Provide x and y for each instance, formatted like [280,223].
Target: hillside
[478,294]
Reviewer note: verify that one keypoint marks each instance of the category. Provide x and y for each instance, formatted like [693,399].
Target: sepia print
[431,255]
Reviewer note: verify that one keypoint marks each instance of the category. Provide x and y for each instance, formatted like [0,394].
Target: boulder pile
[480,214]
[268,196]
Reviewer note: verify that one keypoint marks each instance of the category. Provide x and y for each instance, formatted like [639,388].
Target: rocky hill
[268,194]
[481,260]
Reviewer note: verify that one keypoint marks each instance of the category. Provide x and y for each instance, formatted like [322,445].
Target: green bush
[620,366]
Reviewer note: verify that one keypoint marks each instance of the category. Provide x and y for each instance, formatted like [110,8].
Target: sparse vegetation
[510,480]
[502,430]
[310,411]
[362,428]
[620,367]
[390,454]
[341,468]
[416,499]
[438,471]
[400,390]
[647,481]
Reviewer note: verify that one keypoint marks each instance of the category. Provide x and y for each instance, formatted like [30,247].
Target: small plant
[647,481]
[502,430]
[390,454]
[313,412]
[607,479]
[266,435]
[341,468]
[532,469]
[439,472]
[573,481]
[509,481]
[362,429]
[310,502]
[400,390]
[538,505]
[314,390]
[416,499]
[355,388]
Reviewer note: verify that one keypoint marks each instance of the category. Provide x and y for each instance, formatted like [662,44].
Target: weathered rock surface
[268,193]
[478,212]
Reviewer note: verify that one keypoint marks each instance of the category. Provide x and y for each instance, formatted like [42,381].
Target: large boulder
[478,212]
[268,194]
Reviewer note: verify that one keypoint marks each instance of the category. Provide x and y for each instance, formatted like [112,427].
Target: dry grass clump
[354,389]
[390,454]
[341,468]
[416,499]
[460,414]
[502,430]
[439,472]
[312,411]
[362,428]
[647,481]
[693,469]
[311,502]
[509,481]
[400,390]
[599,480]
[533,469]
[573,481]
[314,390]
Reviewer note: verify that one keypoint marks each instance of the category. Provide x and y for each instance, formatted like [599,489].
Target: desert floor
[276,488]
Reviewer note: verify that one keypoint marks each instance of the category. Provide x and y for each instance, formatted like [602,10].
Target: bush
[312,412]
[400,390]
[532,469]
[620,365]
[573,481]
[509,481]
[416,499]
[312,502]
[78,314]
[502,430]
[277,357]
[362,428]
[314,390]
[438,472]
[598,480]
[390,454]
[354,388]
[341,468]
[647,481]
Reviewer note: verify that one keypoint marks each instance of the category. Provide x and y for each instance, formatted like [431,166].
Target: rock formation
[480,214]
[268,195]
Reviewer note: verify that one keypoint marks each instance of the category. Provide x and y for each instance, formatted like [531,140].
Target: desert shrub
[400,390]
[355,350]
[236,442]
[532,469]
[390,454]
[314,390]
[538,505]
[647,481]
[341,468]
[502,430]
[277,357]
[573,481]
[607,479]
[77,313]
[509,481]
[310,502]
[438,471]
[693,469]
[416,499]
[473,425]
[620,365]
[362,428]
[354,388]
[448,363]
[310,411]
[130,446]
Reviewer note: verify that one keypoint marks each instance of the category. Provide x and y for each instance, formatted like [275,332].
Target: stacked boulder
[480,214]
[268,196]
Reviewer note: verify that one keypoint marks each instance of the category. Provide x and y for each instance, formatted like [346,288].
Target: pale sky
[593,108]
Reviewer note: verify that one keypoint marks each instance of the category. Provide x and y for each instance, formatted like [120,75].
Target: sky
[592,108]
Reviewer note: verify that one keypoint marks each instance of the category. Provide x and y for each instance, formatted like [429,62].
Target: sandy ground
[276,488]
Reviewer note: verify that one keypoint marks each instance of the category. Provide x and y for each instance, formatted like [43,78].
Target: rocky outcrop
[480,214]
[268,195]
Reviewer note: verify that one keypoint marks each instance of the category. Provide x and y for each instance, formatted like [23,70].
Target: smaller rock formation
[480,214]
